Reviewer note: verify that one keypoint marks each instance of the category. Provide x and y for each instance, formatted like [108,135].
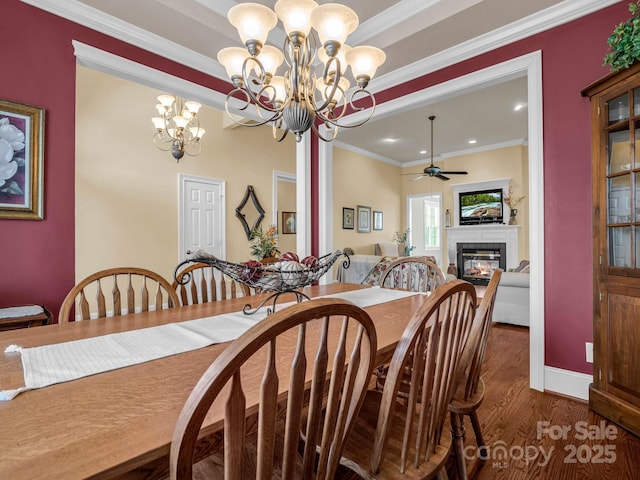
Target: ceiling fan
[432,170]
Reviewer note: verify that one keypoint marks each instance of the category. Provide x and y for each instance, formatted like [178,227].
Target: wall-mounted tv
[482,206]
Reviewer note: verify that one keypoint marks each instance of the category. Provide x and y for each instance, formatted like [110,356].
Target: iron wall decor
[249,194]
[21,160]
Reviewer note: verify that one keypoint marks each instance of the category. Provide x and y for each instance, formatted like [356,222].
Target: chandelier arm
[248,81]
[334,85]
[274,129]
[332,128]
[161,142]
[242,108]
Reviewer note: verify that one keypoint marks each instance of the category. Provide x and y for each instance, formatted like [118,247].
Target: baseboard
[566,382]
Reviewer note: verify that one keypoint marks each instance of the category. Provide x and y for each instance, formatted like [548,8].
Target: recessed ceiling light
[390,140]
[472,141]
[422,152]
[518,107]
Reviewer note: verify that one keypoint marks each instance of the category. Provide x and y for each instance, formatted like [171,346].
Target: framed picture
[364,219]
[377,220]
[288,222]
[21,153]
[347,218]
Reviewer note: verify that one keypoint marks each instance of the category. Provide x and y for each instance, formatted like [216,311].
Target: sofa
[512,299]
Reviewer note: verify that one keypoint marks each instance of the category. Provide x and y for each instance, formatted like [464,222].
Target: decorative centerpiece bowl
[288,275]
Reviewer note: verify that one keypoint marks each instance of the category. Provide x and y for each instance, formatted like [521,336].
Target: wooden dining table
[119,424]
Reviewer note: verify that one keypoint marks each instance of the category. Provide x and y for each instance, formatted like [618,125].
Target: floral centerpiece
[403,239]
[264,243]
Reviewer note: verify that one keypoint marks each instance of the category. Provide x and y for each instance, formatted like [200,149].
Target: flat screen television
[482,206]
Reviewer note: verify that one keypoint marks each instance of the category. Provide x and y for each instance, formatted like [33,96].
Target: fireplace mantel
[485,234]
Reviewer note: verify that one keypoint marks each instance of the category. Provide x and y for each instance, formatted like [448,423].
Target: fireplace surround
[477,261]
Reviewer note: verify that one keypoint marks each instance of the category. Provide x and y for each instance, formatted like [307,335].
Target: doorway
[201,223]
[424,213]
[529,66]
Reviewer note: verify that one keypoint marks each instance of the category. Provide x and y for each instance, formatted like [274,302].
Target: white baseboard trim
[566,382]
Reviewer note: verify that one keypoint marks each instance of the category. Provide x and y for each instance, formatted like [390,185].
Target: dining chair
[470,392]
[416,274]
[201,283]
[323,347]
[410,438]
[112,292]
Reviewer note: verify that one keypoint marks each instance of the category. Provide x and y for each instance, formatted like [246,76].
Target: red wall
[37,258]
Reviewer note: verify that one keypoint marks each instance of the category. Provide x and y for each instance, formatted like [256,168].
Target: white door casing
[201,216]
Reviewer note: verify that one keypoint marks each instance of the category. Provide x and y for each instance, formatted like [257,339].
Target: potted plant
[403,239]
[264,244]
[625,41]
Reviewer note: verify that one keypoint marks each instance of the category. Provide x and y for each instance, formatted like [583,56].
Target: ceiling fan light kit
[432,170]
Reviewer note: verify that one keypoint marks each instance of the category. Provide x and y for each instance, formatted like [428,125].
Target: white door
[424,220]
[201,216]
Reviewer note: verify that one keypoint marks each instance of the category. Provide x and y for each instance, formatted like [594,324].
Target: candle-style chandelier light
[306,90]
[178,126]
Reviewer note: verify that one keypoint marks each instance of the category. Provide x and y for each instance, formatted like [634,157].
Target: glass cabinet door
[622,185]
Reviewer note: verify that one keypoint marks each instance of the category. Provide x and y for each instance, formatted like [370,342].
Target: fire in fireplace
[477,261]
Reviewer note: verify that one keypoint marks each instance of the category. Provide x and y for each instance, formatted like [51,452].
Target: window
[431,222]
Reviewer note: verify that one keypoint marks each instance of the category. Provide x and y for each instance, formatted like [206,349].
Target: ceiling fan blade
[414,173]
[442,177]
[417,178]
[455,173]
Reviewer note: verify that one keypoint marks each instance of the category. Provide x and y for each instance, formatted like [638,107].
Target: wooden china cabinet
[615,120]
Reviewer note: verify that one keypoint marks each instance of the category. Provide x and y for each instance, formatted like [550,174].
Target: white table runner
[50,364]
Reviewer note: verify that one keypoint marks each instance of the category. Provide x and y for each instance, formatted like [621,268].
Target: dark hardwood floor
[545,436]
[510,416]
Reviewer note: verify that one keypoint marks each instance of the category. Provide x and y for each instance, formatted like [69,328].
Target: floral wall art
[21,139]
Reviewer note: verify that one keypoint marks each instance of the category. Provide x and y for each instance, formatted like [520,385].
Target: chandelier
[308,90]
[177,127]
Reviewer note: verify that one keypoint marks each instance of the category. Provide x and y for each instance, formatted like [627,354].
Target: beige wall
[127,190]
[509,162]
[359,180]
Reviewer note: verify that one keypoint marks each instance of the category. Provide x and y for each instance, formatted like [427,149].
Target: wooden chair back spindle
[411,436]
[127,278]
[202,282]
[279,346]
[470,392]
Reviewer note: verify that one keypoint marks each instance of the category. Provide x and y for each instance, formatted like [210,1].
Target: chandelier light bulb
[341,55]
[334,22]
[180,121]
[197,132]
[253,21]
[160,108]
[158,123]
[295,15]
[166,100]
[233,58]
[271,58]
[364,61]
[192,107]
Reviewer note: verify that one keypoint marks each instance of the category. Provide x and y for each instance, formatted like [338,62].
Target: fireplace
[477,261]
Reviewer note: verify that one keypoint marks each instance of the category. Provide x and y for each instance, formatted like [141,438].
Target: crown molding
[366,153]
[94,19]
[546,19]
[551,17]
